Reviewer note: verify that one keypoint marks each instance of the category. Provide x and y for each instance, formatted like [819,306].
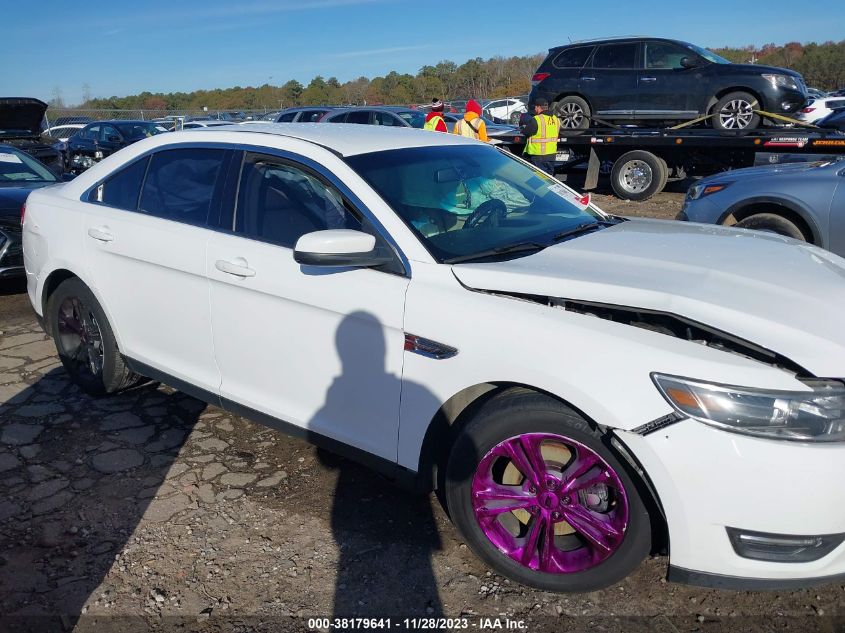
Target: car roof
[616,40]
[383,108]
[116,121]
[346,139]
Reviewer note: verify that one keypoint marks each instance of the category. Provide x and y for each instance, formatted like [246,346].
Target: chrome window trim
[269,151]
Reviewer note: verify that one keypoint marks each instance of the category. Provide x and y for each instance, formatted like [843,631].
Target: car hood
[22,113]
[763,171]
[758,69]
[783,295]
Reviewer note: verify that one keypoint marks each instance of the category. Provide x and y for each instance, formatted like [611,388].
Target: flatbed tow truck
[640,161]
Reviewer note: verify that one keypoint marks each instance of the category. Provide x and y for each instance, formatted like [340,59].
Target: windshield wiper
[499,250]
[584,227]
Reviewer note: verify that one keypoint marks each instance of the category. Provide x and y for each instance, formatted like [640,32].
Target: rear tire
[579,477]
[573,112]
[85,341]
[638,175]
[772,223]
[734,112]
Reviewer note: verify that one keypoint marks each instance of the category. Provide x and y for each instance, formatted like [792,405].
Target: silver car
[805,201]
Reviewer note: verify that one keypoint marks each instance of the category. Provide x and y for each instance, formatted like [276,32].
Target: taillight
[807,110]
[538,77]
[23,212]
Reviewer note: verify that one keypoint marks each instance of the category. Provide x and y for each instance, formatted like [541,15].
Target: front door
[666,87]
[610,80]
[147,229]
[319,348]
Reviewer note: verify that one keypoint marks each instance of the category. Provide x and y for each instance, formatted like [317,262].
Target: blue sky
[184,45]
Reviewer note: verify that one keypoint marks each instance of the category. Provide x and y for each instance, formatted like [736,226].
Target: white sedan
[817,109]
[582,388]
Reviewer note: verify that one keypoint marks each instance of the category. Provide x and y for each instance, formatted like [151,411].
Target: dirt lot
[152,511]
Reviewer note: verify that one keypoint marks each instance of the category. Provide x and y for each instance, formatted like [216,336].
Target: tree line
[822,65]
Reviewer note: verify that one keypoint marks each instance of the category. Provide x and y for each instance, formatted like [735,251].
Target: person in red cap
[472,125]
[434,120]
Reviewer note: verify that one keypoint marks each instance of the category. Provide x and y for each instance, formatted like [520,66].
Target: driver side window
[663,55]
[278,202]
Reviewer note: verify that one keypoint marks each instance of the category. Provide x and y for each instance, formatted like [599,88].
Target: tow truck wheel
[638,175]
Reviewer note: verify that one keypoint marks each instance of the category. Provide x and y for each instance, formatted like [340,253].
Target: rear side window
[573,57]
[311,116]
[340,118]
[279,202]
[287,117]
[358,116]
[180,184]
[616,56]
[123,189]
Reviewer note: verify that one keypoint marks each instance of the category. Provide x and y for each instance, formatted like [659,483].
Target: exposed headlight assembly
[782,81]
[701,190]
[803,416]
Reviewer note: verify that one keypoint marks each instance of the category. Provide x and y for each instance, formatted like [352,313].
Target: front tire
[85,341]
[772,223]
[539,496]
[735,111]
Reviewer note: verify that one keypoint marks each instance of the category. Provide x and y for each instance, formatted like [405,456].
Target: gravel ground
[150,510]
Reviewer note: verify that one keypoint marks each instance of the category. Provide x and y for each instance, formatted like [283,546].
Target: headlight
[806,416]
[701,190]
[782,81]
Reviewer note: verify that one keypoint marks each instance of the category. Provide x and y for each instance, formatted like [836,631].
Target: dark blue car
[19,174]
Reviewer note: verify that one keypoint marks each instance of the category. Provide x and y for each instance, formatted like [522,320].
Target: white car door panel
[320,348]
[151,270]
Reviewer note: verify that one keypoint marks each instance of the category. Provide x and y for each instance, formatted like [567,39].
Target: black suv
[654,79]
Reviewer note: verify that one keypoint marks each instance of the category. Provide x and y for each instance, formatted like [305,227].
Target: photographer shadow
[386,538]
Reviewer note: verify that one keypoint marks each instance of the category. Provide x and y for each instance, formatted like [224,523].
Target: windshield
[710,56]
[17,167]
[463,200]
[413,118]
[140,129]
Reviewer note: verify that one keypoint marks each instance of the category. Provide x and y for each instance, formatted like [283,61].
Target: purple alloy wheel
[549,503]
[80,338]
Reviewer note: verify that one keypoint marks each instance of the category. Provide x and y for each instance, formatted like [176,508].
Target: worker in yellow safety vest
[541,132]
[434,121]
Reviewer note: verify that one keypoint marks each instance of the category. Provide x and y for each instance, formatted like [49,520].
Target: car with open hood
[581,388]
[22,125]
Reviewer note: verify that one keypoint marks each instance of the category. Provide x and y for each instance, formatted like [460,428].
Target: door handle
[648,78]
[101,233]
[238,267]
[588,78]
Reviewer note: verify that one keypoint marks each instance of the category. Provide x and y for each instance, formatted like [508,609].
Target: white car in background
[64,132]
[582,388]
[507,110]
[817,109]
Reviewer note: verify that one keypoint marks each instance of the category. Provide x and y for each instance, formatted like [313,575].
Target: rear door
[665,87]
[145,247]
[610,80]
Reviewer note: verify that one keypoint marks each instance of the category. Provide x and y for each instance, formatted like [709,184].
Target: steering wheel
[488,213]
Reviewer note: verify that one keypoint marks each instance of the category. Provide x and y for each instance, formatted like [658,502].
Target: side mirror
[689,62]
[339,247]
